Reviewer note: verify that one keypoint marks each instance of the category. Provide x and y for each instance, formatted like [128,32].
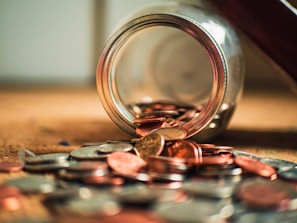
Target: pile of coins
[159,177]
[168,178]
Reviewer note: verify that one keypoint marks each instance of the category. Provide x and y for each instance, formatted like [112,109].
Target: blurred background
[59,42]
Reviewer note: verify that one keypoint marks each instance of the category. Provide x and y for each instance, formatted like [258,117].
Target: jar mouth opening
[109,82]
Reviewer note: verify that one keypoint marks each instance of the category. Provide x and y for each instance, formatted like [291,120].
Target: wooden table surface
[40,118]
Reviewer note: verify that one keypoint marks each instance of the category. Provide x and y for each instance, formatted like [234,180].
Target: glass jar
[172,58]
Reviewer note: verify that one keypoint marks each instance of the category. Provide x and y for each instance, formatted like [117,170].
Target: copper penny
[163,105]
[185,149]
[103,180]
[9,167]
[150,145]
[206,146]
[139,121]
[218,150]
[10,198]
[261,196]
[215,160]
[255,166]
[159,113]
[125,163]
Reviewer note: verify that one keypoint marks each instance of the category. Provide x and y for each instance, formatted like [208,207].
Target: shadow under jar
[174,62]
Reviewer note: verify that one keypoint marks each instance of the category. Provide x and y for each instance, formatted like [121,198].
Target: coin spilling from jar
[174,180]
[159,177]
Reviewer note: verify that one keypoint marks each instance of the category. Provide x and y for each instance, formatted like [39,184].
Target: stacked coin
[47,162]
[163,168]
[84,170]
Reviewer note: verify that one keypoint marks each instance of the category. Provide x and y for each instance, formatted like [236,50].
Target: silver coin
[33,184]
[103,142]
[287,216]
[166,176]
[168,192]
[137,195]
[139,176]
[47,158]
[62,194]
[288,174]
[92,144]
[258,217]
[242,153]
[87,153]
[278,163]
[198,211]
[85,166]
[218,170]
[172,133]
[95,206]
[213,189]
[46,166]
[114,147]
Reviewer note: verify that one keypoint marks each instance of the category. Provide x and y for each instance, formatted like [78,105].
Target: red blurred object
[270,24]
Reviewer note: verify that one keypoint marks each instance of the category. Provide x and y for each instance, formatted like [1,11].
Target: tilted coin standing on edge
[150,145]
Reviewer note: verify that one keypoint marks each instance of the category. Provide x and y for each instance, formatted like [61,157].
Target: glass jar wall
[178,63]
